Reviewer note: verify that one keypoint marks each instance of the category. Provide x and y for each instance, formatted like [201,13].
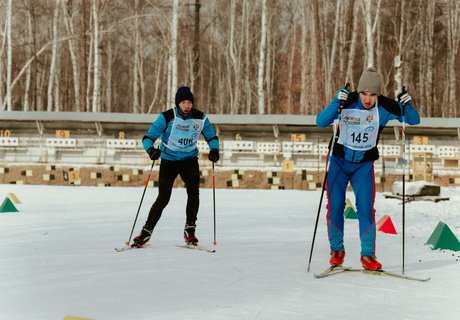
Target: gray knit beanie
[370,81]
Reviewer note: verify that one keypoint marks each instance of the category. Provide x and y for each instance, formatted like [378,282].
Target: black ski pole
[317,218]
[336,125]
[140,204]
[403,162]
[214,201]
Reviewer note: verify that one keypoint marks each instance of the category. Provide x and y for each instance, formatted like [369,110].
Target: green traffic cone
[8,206]
[350,213]
[443,238]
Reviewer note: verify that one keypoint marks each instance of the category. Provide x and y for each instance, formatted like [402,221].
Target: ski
[121,249]
[196,247]
[187,246]
[331,271]
[128,247]
[340,269]
[392,274]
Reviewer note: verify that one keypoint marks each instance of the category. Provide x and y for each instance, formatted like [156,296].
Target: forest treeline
[238,56]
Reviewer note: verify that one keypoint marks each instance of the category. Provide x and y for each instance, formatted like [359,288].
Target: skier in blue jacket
[179,129]
[364,114]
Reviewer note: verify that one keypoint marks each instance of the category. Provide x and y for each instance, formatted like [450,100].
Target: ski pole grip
[403,105]
[342,102]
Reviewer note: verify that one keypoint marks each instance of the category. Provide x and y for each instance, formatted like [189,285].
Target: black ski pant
[189,172]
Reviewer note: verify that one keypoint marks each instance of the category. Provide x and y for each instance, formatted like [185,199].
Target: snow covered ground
[57,259]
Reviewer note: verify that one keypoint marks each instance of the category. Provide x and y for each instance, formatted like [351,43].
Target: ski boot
[337,258]
[189,234]
[142,238]
[370,263]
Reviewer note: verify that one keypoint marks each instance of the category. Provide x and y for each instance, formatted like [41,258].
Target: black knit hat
[184,93]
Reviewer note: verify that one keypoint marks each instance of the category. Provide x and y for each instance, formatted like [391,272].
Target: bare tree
[233,63]
[136,58]
[332,68]
[196,76]
[353,45]
[108,78]
[314,61]
[9,13]
[453,36]
[371,25]
[271,58]
[97,57]
[249,10]
[172,72]
[398,60]
[83,58]
[2,50]
[262,53]
[304,56]
[427,106]
[69,24]
[54,53]
[29,51]
[292,46]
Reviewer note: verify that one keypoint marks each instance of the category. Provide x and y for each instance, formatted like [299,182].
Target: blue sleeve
[210,135]
[411,115]
[328,114]
[154,132]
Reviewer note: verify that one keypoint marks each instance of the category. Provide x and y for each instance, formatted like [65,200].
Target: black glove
[404,97]
[213,155]
[342,95]
[154,153]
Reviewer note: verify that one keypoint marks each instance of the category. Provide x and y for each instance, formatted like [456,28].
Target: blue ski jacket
[162,127]
[388,109]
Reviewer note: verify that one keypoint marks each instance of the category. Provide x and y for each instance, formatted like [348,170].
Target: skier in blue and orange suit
[364,115]
[179,129]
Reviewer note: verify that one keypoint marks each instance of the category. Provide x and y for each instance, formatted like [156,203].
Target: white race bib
[184,134]
[359,128]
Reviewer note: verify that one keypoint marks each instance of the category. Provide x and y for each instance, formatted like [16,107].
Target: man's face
[186,106]
[368,99]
